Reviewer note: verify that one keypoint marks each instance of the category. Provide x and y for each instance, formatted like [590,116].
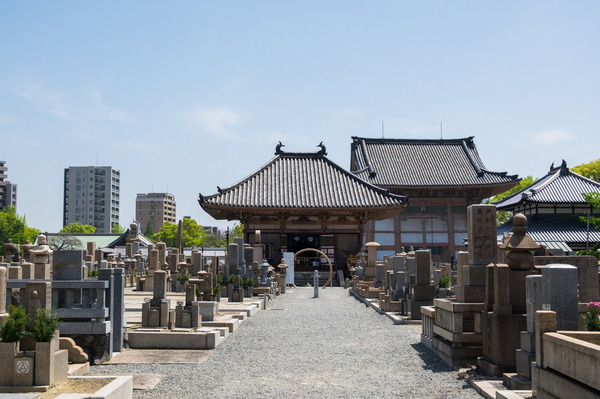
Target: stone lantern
[520,247]
[11,250]
[282,276]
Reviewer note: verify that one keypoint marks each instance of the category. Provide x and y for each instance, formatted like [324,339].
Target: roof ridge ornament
[278,150]
[323,150]
[564,170]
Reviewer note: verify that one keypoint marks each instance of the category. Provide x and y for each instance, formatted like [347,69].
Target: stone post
[2,291]
[107,275]
[118,309]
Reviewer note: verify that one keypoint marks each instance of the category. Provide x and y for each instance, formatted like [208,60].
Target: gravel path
[303,347]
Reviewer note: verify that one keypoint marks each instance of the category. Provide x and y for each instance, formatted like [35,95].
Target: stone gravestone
[67,265]
[196,261]
[233,260]
[422,292]
[559,292]
[248,259]
[241,259]
[483,250]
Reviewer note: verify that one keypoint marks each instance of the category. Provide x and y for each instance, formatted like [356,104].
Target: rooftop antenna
[441,132]
[382,129]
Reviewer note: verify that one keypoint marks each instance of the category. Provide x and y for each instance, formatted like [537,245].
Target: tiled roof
[302,180]
[558,228]
[559,186]
[422,163]
[121,241]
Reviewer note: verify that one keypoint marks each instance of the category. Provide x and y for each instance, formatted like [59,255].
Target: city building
[157,208]
[442,177]
[8,190]
[92,197]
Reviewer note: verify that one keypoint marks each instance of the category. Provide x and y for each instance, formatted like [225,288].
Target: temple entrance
[309,245]
[326,258]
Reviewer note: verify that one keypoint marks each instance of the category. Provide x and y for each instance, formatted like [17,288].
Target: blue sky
[184,96]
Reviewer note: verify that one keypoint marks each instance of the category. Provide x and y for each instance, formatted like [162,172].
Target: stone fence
[567,362]
[86,307]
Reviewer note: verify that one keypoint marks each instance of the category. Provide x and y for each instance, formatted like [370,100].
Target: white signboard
[288,258]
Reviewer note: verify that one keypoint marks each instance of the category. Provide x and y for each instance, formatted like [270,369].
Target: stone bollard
[316,283]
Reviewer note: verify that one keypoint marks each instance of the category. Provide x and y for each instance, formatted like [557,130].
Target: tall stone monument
[505,308]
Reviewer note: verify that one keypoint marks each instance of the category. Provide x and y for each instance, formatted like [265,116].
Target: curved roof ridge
[384,140]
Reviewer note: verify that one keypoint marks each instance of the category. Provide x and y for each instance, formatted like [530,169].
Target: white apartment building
[92,196]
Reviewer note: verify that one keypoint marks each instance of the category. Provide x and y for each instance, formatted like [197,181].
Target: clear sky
[184,96]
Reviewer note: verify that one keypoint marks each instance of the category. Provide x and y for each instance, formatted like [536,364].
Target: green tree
[117,228]
[13,226]
[238,230]
[503,216]
[78,228]
[591,170]
[149,230]
[212,241]
[594,200]
[64,242]
[193,234]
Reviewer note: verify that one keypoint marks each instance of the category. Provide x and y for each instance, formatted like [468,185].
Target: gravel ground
[303,347]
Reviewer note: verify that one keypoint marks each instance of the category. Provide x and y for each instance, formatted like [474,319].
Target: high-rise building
[157,208]
[8,190]
[92,196]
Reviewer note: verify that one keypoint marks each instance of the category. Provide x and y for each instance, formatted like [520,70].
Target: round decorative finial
[519,224]
[520,220]
[41,240]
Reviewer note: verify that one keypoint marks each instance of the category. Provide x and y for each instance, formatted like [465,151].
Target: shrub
[216,289]
[230,279]
[198,292]
[219,279]
[92,273]
[44,325]
[591,319]
[183,277]
[14,327]
[444,281]
[250,282]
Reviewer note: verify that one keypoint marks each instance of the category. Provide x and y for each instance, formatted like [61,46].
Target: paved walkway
[302,347]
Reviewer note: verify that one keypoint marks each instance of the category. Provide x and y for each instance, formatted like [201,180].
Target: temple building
[304,200]
[441,177]
[554,206]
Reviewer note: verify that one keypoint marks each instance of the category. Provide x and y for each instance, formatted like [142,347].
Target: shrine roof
[294,180]
[415,163]
[559,186]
